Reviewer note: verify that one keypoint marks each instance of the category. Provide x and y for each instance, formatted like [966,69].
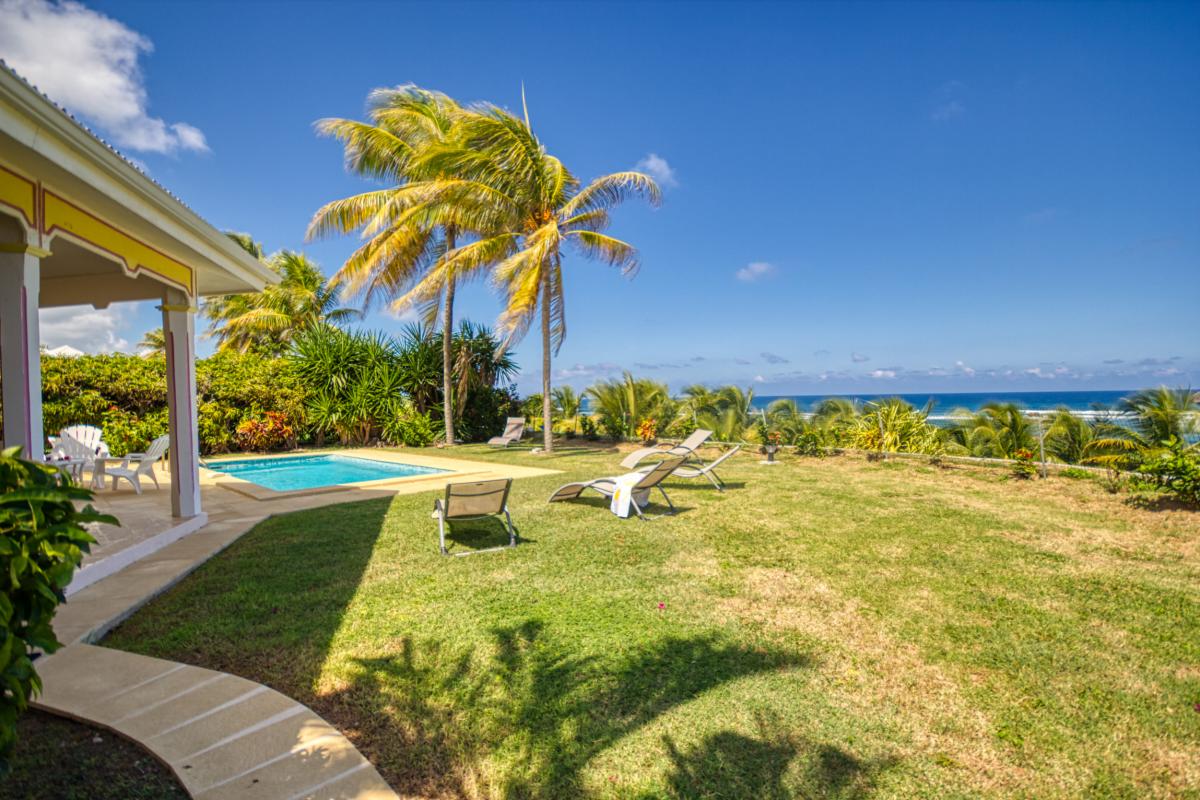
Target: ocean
[946,402]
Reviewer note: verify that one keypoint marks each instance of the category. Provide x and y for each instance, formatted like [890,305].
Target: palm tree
[477,362]
[267,322]
[1156,418]
[153,343]
[997,430]
[566,404]
[1069,437]
[624,403]
[537,206]
[410,226]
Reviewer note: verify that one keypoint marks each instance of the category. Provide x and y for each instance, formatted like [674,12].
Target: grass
[825,628]
[67,760]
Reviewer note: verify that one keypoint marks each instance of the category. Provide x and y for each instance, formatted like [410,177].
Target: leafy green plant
[894,426]
[587,426]
[409,428]
[42,542]
[1175,472]
[1075,473]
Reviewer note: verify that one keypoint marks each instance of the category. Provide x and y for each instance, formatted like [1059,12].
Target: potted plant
[771,446]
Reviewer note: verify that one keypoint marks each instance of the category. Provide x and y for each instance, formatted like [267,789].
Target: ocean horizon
[943,402]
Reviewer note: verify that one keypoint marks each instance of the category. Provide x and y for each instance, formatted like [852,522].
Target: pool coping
[452,468]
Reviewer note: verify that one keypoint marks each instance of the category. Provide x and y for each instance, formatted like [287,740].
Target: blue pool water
[310,472]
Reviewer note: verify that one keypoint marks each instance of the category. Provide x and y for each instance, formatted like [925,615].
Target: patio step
[223,736]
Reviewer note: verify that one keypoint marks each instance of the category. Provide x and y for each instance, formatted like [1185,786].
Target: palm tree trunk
[547,426]
[448,351]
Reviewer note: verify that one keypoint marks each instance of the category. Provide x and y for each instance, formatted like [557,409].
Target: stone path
[223,736]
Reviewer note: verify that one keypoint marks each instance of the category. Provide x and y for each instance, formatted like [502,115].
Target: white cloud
[948,111]
[759,379]
[587,371]
[964,369]
[859,358]
[883,373]
[754,271]
[89,329]
[657,167]
[89,63]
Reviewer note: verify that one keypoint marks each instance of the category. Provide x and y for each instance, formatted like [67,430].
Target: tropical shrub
[42,542]
[531,409]
[647,431]
[624,403]
[483,415]
[409,428]
[271,431]
[1175,472]
[587,426]
[894,426]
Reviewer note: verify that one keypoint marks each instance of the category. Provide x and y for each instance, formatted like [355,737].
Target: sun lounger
[708,470]
[514,429]
[640,491]
[684,448]
[474,500]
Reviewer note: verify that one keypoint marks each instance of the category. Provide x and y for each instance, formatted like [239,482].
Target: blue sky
[883,198]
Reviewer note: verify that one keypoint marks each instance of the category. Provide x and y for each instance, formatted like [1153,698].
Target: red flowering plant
[1024,466]
[647,430]
[269,432]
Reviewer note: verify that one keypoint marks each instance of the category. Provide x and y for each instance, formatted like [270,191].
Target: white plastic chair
[89,436]
[137,464]
[76,454]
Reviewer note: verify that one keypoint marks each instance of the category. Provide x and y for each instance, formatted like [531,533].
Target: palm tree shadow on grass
[526,719]
[731,764]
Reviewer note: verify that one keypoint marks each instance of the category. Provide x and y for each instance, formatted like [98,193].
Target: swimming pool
[291,473]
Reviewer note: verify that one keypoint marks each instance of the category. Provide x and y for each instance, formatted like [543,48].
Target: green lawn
[825,628]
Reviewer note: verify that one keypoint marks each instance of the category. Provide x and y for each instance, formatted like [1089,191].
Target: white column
[179,330]
[20,356]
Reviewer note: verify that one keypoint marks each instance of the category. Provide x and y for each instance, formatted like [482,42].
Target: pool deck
[223,736]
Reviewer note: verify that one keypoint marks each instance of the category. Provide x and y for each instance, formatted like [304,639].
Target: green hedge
[127,397]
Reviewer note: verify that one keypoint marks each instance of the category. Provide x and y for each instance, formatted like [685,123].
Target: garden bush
[271,431]
[126,396]
[484,413]
[1175,472]
[42,542]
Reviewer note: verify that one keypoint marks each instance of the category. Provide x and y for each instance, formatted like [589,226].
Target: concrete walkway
[223,736]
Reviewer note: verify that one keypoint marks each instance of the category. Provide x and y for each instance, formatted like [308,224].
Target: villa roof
[48,131]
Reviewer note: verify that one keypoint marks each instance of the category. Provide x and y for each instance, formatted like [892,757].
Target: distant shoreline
[944,402]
